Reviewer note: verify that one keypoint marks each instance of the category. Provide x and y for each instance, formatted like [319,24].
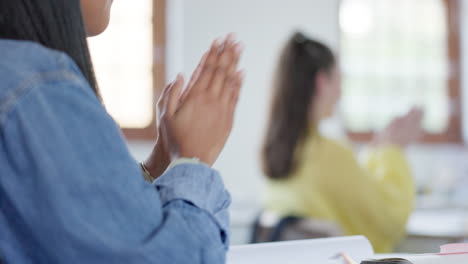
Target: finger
[409,115]
[166,90]
[413,119]
[232,69]
[395,123]
[414,115]
[163,99]
[198,70]
[231,85]
[416,110]
[208,67]
[174,95]
[225,60]
[235,90]
[417,114]
[195,75]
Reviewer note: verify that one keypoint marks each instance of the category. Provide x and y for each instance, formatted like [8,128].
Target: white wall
[263,26]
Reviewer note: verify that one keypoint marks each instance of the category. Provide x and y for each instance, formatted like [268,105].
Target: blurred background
[394,54]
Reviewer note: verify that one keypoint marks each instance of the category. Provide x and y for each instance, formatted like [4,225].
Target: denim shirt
[70,192]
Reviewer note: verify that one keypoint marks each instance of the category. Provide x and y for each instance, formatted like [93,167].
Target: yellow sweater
[373,199]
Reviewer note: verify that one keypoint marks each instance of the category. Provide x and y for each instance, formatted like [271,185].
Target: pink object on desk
[454,249]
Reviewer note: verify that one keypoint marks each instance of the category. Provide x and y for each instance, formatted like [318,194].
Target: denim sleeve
[184,182]
[70,192]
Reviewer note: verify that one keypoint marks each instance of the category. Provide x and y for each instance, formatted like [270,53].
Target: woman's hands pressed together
[196,122]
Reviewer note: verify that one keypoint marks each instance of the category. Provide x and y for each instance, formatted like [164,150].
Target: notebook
[452,254]
[344,250]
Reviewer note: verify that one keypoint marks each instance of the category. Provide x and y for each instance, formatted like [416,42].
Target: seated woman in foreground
[70,191]
[315,177]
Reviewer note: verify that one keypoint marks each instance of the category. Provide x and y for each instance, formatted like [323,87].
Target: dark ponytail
[293,92]
[56,24]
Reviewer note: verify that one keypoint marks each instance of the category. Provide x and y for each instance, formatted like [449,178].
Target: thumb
[164,99]
[174,95]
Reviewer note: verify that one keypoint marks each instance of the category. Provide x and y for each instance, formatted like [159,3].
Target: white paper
[438,259]
[302,252]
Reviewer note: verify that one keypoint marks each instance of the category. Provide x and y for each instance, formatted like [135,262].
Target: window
[129,71]
[397,54]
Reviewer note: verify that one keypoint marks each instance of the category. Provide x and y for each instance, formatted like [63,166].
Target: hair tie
[300,38]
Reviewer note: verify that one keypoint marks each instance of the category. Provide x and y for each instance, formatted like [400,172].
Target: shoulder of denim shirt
[25,66]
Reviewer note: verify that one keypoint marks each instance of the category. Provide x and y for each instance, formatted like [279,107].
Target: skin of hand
[197,122]
[402,131]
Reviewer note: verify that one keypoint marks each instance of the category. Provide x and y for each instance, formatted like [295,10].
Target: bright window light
[394,55]
[123,60]
[356,17]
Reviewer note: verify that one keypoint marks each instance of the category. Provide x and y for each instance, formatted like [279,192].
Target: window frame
[453,134]
[159,72]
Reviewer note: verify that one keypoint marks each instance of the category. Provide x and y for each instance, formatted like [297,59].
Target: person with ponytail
[70,191]
[314,177]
